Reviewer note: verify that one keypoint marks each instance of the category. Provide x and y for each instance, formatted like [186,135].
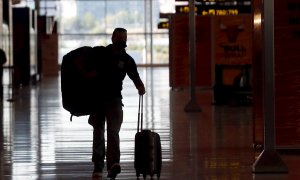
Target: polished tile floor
[39,142]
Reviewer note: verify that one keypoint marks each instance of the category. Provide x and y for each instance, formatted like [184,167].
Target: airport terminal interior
[223,137]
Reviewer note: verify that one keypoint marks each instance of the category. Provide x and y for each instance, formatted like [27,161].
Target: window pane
[127,14]
[80,17]
[161,49]
[136,47]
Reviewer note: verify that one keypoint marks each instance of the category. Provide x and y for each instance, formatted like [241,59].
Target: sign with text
[218,7]
[233,40]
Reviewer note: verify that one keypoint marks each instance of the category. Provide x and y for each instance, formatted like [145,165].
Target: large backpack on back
[79,81]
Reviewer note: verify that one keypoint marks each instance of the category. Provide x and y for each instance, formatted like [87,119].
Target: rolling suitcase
[147,150]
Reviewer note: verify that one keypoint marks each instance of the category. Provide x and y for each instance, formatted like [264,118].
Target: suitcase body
[147,154]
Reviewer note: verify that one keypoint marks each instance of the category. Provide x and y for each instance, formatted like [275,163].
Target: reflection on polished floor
[39,142]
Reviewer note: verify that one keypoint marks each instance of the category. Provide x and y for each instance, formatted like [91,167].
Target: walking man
[114,65]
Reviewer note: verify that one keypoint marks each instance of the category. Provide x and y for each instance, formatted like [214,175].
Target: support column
[37,6]
[192,106]
[269,160]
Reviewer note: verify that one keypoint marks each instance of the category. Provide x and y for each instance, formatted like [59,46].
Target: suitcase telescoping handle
[140,114]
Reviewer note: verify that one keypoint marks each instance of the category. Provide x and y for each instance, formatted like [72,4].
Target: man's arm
[139,86]
[134,75]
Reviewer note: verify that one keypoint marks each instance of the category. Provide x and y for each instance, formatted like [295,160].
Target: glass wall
[91,22]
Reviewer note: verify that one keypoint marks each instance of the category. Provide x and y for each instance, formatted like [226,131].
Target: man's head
[119,38]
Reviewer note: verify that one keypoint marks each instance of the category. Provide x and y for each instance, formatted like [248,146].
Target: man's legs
[114,115]
[98,122]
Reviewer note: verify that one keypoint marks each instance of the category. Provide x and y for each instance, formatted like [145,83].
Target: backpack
[79,82]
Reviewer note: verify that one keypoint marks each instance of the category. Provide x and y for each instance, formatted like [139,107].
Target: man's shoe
[114,171]
[97,170]
[97,174]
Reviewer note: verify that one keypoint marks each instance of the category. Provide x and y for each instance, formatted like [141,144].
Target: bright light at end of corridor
[68,9]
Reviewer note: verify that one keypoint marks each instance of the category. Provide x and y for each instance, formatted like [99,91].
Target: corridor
[38,141]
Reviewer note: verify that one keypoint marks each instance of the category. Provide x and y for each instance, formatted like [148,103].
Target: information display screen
[218,7]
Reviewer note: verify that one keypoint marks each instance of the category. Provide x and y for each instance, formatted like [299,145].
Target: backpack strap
[71,117]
